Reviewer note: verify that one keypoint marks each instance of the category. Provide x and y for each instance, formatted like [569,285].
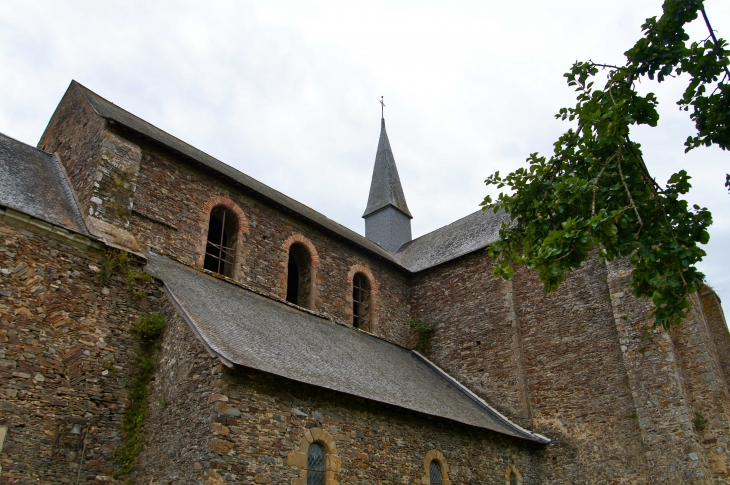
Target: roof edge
[479,401]
[385,206]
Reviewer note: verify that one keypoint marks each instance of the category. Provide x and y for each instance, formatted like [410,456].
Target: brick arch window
[230,234]
[512,476]
[299,276]
[316,459]
[436,470]
[361,301]
[220,247]
[301,271]
[363,298]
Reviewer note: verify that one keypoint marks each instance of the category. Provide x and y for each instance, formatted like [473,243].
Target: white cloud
[287,91]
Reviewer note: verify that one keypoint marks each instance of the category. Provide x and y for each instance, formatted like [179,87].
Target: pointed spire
[385,188]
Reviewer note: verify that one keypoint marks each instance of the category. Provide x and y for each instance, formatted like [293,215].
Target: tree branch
[628,192]
[608,66]
[714,39]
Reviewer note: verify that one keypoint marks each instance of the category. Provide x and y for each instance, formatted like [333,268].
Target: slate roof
[385,187]
[32,182]
[461,237]
[245,328]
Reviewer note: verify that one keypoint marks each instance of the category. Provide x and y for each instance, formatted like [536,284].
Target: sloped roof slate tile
[32,182]
[251,330]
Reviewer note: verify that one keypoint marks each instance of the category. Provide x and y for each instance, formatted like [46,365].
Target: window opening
[220,248]
[292,284]
[435,472]
[315,465]
[360,301]
[299,276]
[512,478]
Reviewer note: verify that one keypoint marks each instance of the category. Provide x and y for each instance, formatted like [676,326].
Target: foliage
[424,334]
[149,329]
[699,422]
[118,261]
[595,192]
[148,332]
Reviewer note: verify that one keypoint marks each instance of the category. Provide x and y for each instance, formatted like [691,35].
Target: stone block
[219,446]
[217,397]
[334,463]
[296,459]
[16,219]
[220,429]
[316,434]
[39,227]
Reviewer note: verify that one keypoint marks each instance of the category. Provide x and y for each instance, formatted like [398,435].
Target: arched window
[435,469]
[512,476]
[435,472]
[316,464]
[299,276]
[220,249]
[316,459]
[361,301]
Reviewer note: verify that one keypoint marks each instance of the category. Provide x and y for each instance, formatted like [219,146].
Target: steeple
[387,218]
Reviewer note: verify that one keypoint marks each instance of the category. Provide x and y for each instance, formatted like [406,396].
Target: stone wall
[550,362]
[577,380]
[678,388]
[170,216]
[717,326]
[75,133]
[101,167]
[475,339]
[65,351]
[136,195]
[214,425]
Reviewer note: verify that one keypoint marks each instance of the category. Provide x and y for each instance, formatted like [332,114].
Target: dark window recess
[435,472]
[220,248]
[315,464]
[292,283]
[361,302]
[299,276]
[512,478]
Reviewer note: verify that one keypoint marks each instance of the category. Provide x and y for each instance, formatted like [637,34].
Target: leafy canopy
[595,191]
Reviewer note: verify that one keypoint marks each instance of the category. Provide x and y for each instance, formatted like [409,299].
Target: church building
[296,351]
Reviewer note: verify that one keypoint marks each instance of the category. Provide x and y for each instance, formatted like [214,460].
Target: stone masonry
[65,351]
[215,425]
[622,402]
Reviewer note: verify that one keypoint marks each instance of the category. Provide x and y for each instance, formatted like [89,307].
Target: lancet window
[299,276]
[361,295]
[316,464]
[435,472]
[220,248]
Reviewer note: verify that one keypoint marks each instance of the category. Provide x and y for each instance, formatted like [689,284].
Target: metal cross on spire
[382,105]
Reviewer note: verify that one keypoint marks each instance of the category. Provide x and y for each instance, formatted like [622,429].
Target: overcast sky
[288,92]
